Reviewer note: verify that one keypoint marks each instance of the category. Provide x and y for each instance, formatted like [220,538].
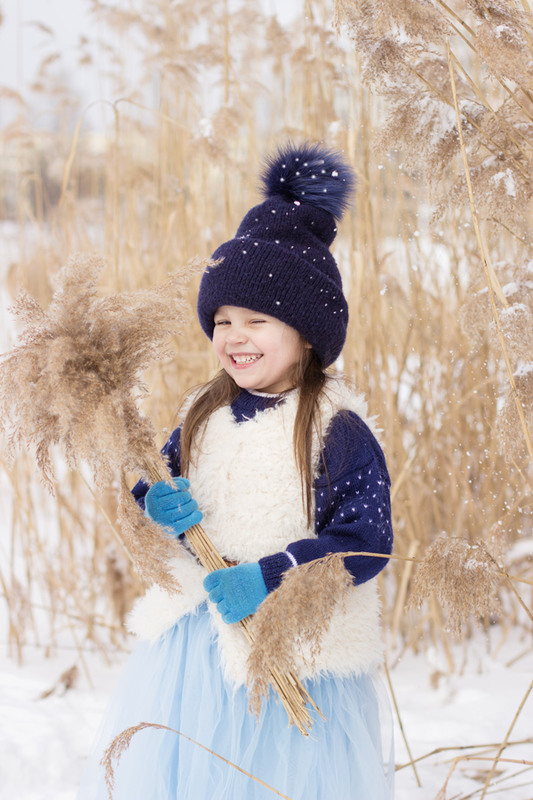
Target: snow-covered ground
[44,740]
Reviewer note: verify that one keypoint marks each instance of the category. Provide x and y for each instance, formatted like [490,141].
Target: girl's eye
[255,321]
[219,322]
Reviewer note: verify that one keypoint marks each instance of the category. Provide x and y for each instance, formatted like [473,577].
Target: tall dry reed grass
[219,85]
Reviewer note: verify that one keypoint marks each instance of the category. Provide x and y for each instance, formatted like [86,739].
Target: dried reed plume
[122,741]
[509,431]
[515,319]
[516,323]
[402,48]
[120,587]
[475,315]
[294,615]
[116,749]
[149,547]
[464,577]
[501,37]
[74,379]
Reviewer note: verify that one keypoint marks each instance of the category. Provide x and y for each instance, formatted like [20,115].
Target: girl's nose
[236,335]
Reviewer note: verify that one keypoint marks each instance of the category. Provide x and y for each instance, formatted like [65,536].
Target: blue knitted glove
[237,591]
[172,506]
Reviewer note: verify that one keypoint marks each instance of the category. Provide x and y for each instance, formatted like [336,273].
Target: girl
[282,469]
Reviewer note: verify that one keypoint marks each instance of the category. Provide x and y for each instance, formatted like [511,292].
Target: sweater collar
[247,404]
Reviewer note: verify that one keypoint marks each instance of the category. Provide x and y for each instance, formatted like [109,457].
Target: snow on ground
[43,741]
[473,706]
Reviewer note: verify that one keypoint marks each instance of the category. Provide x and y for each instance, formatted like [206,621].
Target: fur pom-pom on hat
[311,174]
[279,262]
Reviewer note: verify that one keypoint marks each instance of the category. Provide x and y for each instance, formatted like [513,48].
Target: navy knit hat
[279,262]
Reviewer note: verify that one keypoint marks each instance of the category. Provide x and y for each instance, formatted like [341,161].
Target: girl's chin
[241,381]
[245,381]
[260,386]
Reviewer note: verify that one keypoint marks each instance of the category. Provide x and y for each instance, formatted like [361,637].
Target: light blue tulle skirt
[177,682]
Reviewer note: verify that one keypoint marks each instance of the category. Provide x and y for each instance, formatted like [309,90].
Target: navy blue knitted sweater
[352,496]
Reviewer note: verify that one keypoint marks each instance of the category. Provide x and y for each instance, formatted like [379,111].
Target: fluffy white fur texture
[352,644]
[246,482]
[157,610]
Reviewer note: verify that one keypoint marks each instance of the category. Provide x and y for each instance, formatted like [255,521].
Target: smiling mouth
[244,360]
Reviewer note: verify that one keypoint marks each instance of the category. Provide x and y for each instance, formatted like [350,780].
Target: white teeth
[245,359]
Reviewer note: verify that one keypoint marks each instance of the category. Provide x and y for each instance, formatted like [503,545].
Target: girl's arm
[352,496]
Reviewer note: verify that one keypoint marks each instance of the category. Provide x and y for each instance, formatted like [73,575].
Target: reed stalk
[505,741]
[412,761]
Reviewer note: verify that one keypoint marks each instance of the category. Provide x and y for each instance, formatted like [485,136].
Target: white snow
[524,370]
[507,178]
[44,742]
[521,548]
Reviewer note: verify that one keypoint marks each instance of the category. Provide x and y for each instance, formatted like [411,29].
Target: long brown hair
[309,377]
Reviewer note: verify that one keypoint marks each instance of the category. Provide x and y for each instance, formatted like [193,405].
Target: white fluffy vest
[247,484]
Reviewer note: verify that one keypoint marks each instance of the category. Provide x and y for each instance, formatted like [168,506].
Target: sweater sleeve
[170,451]
[352,506]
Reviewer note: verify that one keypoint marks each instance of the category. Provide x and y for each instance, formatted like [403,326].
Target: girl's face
[257,350]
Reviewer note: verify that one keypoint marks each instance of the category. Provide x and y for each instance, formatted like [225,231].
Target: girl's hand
[172,506]
[237,591]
